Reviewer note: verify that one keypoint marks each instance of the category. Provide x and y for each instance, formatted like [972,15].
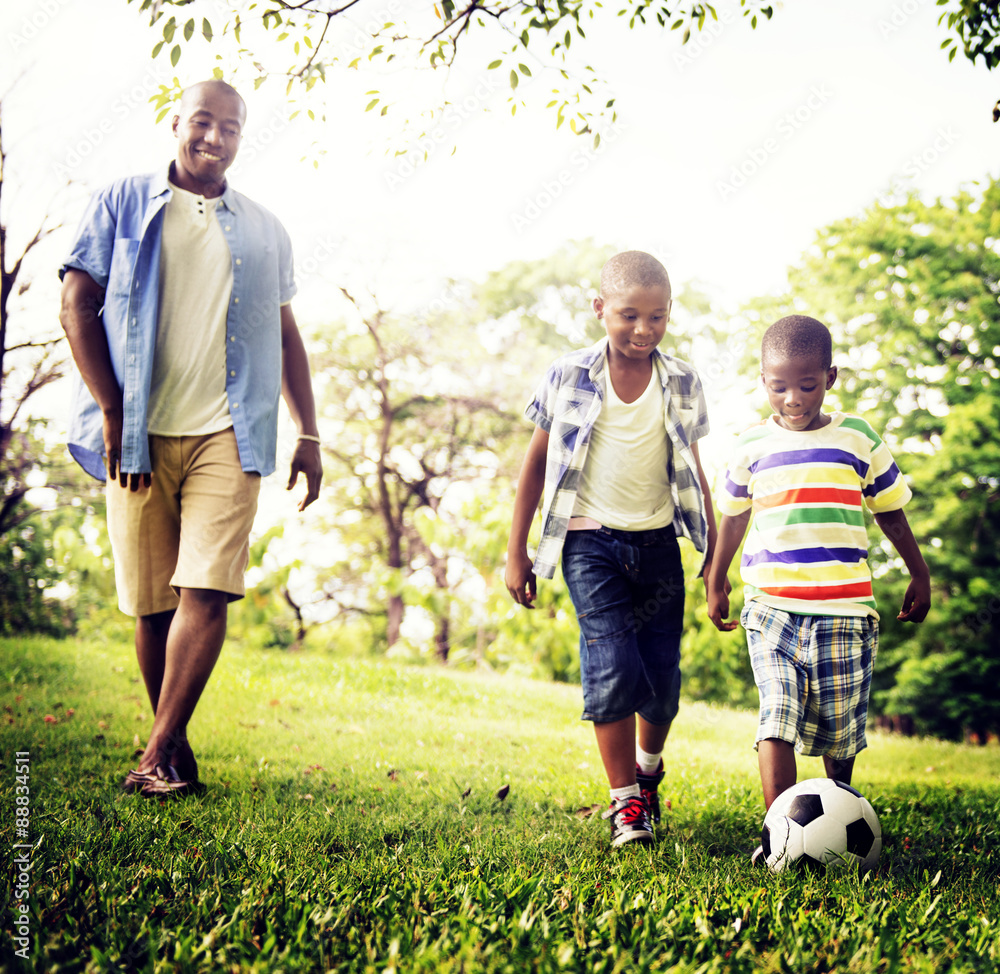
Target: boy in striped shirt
[809,614]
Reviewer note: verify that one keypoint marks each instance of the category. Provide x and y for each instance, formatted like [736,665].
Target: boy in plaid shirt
[810,618]
[615,452]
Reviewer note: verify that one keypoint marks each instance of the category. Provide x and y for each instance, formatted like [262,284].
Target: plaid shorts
[814,674]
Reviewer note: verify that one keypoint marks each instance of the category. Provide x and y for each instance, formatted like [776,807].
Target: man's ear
[831,377]
[599,306]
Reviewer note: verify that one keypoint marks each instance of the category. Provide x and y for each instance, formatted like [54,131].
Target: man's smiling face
[208,130]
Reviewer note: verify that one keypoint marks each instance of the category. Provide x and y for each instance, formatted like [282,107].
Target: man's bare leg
[194,639]
[151,650]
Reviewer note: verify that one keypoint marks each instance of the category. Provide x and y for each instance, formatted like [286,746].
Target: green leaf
[189,29]
[371,104]
[157,48]
[523,68]
[175,54]
[493,65]
[513,79]
[168,30]
[206,29]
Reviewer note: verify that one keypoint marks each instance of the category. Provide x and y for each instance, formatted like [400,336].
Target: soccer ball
[821,822]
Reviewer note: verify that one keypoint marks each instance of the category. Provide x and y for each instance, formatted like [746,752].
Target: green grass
[351,823]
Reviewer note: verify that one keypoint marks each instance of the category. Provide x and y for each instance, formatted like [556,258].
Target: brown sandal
[165,782]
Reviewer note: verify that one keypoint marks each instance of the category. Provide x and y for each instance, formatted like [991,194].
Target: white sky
[826,107]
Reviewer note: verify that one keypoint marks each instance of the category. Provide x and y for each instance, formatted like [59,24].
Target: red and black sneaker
[648,784]
[629,820]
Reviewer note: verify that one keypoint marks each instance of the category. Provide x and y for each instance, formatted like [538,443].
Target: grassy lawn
[352,823]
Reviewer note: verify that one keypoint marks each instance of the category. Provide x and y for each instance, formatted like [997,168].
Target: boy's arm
[731,532]
[709,513]
[917,600]
[519,577]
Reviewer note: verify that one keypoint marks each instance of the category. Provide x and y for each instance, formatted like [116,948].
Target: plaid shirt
[566,405]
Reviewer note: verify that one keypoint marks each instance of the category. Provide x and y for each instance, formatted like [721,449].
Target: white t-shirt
[625,481]
[188,388]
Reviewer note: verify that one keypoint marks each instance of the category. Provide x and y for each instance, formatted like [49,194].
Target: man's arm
[519,577]
[80,317]
[296,387]
[917,600]
[731,532]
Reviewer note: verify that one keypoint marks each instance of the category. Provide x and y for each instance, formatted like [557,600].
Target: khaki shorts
[189,529]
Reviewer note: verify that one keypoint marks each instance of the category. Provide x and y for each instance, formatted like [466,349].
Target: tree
[976,26]
[416,411]
[17,457]
[317,35]
[32,558]
[911,294]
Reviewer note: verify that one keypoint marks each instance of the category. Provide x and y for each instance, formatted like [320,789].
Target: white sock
[628,791]
[648,763]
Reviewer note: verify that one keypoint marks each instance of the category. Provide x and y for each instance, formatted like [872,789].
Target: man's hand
[307,460]
[113,454]
[520,579]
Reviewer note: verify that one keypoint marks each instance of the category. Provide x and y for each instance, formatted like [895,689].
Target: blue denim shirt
[118,245]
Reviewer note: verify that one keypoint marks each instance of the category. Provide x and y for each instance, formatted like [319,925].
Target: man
[175,302]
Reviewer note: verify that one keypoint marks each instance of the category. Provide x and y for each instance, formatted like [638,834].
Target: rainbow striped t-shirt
[807,548]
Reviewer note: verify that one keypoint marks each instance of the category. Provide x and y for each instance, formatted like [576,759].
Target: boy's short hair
[797,336]
[631,269]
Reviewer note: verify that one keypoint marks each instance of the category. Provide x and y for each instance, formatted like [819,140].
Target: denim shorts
[628,591]
[814,675]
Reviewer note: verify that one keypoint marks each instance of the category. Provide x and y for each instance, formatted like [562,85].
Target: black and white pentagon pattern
[819,822]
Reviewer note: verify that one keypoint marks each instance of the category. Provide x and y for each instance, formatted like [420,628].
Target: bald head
[196,94]
[632,269]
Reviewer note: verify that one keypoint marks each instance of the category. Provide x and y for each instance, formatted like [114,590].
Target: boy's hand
[718,609]
[520,579]
[916,601]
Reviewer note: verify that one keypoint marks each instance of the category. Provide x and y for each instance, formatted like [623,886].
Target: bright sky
[729,154]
